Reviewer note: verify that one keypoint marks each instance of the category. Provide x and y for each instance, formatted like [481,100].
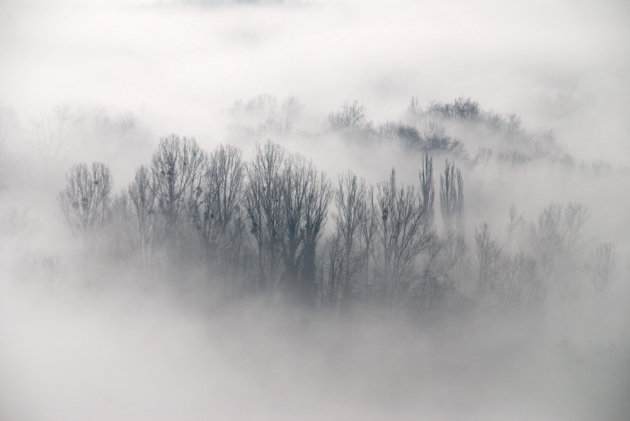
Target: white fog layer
[313,210]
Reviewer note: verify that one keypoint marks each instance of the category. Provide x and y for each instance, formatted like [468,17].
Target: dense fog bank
[136,356]
[314,210]
[512,303]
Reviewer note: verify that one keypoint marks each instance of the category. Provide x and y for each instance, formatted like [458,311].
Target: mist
[506,294]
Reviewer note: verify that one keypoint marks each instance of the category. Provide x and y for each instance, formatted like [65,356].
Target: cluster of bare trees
[261,227]
[438,129]
[287,204]
[541,257]
[506,277]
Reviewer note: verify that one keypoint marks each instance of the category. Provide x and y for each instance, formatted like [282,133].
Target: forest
[221,230]
[314,209]
[274,224]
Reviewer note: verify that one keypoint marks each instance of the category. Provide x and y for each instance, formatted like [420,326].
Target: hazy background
[177,67]
[557,64]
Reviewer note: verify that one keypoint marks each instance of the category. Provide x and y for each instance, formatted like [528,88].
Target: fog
[112,308]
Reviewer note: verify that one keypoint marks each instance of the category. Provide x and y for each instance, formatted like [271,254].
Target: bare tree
[349,118]
[85,200]
[601,266]
[556,237]
[121,233]
[331,280]
[351,220]
[177,170]
[304,199]
[291,111]
[293,193]
[452,200]
[369,238]
[427,188]
[402,235]
[262,198]
[436,141]
[516,222]
[318,197]
[483,156]
[489,254]
[519,281]
[262,115]
[52,132]
[575,216]
[287,204]
[217,214]
[149,225]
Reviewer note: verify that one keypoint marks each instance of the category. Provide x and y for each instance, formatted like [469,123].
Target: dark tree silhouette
[349,248]
[262,198]
[217,213]
[403,234]
[318,197]
[177,170]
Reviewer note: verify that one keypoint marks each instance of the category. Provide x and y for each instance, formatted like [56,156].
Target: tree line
[275,224]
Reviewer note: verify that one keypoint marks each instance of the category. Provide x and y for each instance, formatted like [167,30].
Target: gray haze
[83,340]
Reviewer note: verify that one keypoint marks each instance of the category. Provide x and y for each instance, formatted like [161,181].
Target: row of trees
[261,226]
[446,129]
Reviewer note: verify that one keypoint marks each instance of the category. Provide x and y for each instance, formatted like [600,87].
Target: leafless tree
[149,225]
[575,216]
[556,237]
[331,271]
[427,189]
[402,235]
[349,249]
[489,254]
[217,212]
[293,194]
[319,196]
[514,158]
[519,281]
[262,198]
[262,115]
[437,142]
[51,132]
[369,237]
[304,199]
[601,265]
[516,223]
[122,240]
[483,156]
[415,110]
[452,210]
[291,110]
[443,255]
[85,200]
[287,203]
[547,234]
[349,118]
[452,200]
[177,170]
